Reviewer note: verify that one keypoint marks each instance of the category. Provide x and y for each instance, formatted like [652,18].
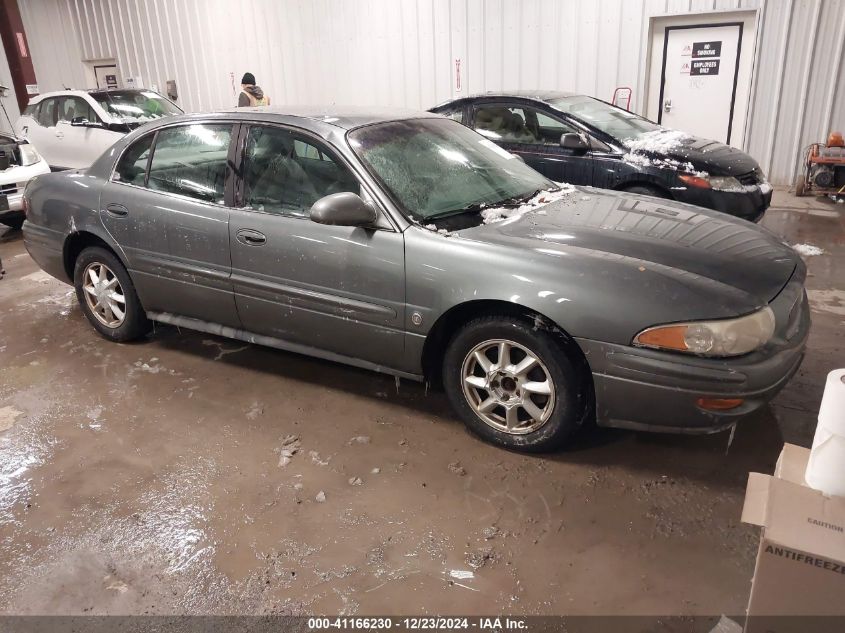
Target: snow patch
[662,163]
[808,250]
[658,141]
[498,214]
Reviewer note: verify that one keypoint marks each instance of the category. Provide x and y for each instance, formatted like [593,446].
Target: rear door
[535,136]
[338,289]
[41,132]
[166,207]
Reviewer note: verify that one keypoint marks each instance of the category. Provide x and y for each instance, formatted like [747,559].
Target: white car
[72,128]
[19,163]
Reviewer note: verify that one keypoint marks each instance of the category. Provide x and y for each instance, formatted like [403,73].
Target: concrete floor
[147,478]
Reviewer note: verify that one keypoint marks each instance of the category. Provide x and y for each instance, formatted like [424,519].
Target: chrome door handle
[117,210]
[251,237]
[667,105]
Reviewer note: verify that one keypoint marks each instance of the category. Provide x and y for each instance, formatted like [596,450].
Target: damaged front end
[19,163]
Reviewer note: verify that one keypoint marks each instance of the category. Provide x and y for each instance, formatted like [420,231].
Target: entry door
[106,77]
[339,289]
[699,79]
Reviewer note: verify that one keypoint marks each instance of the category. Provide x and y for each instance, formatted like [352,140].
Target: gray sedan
[406,243]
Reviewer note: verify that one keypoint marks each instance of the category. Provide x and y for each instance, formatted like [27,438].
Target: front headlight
[28,155]
[731,337]
[719,183]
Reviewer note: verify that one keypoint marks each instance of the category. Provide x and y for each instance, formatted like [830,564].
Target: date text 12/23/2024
[425,623]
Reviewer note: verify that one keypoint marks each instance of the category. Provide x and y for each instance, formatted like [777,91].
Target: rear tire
[532,402]
[107,296]
[800,186]
[645,190]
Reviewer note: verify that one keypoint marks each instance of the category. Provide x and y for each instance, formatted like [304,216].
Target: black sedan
[584,141]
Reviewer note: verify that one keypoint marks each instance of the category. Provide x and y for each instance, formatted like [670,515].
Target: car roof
[58,93]
[82,93]
[345,117]
[535,95]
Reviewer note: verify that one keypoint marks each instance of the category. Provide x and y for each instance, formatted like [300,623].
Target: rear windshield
[136,106]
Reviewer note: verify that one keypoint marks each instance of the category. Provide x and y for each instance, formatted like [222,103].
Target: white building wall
[10,102]
[404,52]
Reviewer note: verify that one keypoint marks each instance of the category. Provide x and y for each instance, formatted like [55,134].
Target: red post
[17,50]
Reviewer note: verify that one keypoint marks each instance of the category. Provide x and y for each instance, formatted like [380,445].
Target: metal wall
[10,102]
[404,52]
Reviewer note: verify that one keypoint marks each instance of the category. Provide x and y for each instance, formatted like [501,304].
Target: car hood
[707,155]
[693,246]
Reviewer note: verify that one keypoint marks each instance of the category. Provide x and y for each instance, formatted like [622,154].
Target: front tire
[645,190]
[107,296]
[514,385]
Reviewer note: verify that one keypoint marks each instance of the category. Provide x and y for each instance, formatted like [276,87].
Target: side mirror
[343,209]
[575,142]
[81,121]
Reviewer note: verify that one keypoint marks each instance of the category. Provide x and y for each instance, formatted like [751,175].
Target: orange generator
[823,170]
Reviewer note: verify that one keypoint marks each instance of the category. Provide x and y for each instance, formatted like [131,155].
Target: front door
[80,146]
[699,79]
[172,223]
[535,136]
[334,288]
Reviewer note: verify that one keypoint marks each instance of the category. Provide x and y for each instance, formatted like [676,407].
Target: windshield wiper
[475,207]
[515,200]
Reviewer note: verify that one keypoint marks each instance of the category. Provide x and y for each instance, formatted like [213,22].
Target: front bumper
[12,184]
[749,205]
[646,389]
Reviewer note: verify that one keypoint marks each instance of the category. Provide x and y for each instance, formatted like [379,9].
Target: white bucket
[826,468]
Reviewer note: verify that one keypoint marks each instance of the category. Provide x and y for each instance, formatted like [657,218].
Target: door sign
[707,49]
[704,67]
[705,58]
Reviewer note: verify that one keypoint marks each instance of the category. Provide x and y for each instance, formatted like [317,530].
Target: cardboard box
[800,568]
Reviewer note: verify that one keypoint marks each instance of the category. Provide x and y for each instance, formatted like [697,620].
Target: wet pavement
[193,474]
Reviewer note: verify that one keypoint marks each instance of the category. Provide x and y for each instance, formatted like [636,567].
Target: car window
[304,150]
[32,110]
[455,113]
[132,166]
[191,160]
[550,130]
[47,113]
[519,124]
[72,107]
[286,173]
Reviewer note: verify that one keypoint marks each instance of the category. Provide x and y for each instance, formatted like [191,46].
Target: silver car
[406,243]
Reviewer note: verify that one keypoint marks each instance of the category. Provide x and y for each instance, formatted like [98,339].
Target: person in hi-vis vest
[251,95]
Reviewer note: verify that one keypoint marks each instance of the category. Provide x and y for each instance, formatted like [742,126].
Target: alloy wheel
[508,386]
[104,295]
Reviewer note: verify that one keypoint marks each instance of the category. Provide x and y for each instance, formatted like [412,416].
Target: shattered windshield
[136,106]
[618,123]
[435,168]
